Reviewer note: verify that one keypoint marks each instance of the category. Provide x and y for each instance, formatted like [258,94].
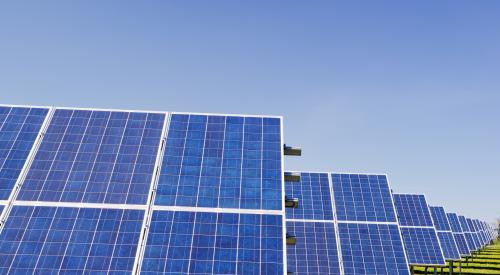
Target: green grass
[487,261]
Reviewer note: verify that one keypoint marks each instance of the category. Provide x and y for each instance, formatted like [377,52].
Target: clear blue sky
[409,89]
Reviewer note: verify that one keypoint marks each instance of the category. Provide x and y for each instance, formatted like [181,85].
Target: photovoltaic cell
[95,157]
[422,246]
[372,249]
[50,240]
[439,218]
[19,128]
[471,244]
[412,210]
[222,161]
[363,198]
[313,192]
[214,243]
[316,248]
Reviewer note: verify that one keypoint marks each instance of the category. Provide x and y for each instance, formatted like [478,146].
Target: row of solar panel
[217,205]
[422,235]
[95,156]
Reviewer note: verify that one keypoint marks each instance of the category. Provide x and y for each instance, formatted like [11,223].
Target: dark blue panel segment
[454,222]
[463,249]
[19,128]
[316,248]
[469,239]
[363,198]
[448,245]
[213,243]
[422,246]
[439,218]
[222,161]
[372,249]
[412,210]
[50,240]
[313,192]
[96,157]
[463,224]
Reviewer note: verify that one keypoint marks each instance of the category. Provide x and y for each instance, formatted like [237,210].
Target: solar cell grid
[69,240]
[316,249]
[372,249]
[422,246]
[314,196]
[362,198]
[439,218]
[222,161]
[448,245]
[463,249]
[219,243]
[454,222]
[19,128]
[412,210]
[96,157]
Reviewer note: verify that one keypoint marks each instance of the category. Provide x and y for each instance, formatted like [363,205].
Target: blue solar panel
[422,246]
[214,243]
[95,156]
[222,161]
[457,234]
[463,249]
[372,249]
[363,198]
[448,245]
[412,210]
[19,128]
[454,222]
[52,240]
[316,248]
[313,193]
[439,218]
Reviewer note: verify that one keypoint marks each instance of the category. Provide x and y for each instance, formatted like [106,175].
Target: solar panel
[369,235]
[471,243]
[439,218]
[372,249]
[19,128]
[422,246]
[96,157]
[214,243]
[457,234]
[316,248]
[412,210]
[444,233]
[222,161]
[313,193]
[363,198]
[419,235]
[69,240]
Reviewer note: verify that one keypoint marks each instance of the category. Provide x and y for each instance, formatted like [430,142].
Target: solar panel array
[313,224]
[370,239]
[445,235]
[117,192]
[86,203]
[419,235]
